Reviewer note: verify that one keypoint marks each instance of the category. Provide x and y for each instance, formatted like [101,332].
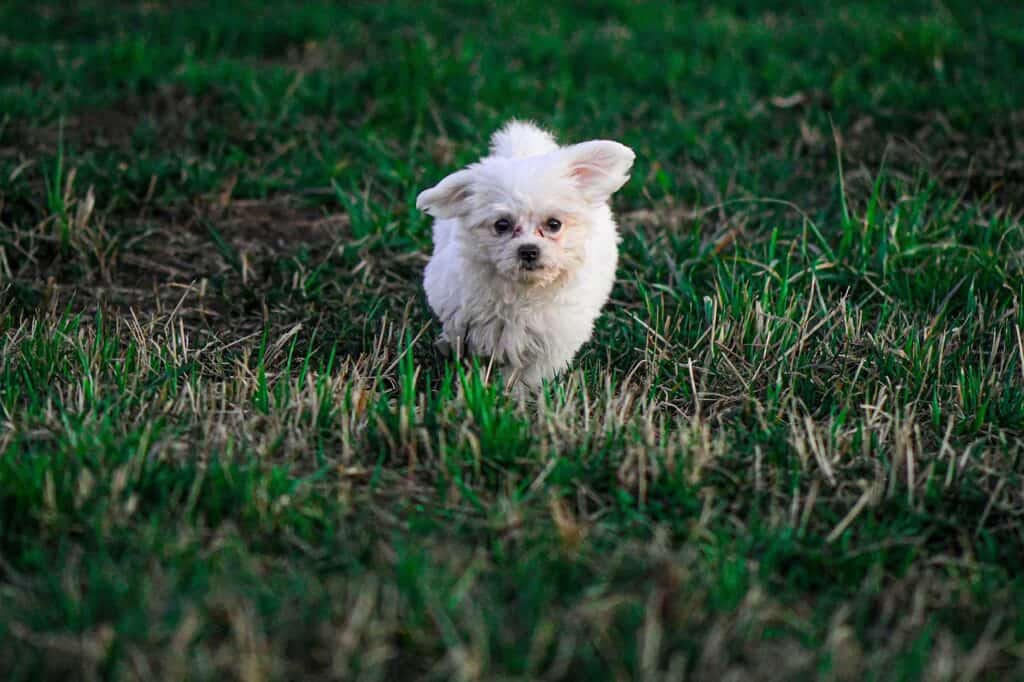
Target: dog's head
[529,217]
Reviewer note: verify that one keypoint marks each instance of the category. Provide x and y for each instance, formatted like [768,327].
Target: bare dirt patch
[985,163]
[211,263]
[170,117]
[280,221]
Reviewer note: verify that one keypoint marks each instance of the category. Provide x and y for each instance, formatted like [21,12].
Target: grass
[792,450]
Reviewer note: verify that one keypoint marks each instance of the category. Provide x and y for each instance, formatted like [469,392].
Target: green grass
[792,450]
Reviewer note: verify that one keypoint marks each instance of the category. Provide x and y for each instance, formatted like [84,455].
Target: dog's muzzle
[529,256]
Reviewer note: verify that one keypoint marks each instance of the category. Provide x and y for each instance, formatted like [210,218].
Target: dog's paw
[443,346]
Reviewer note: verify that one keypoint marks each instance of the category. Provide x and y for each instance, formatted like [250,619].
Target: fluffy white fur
[530,317]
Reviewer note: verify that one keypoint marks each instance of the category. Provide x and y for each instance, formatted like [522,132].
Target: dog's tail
[517,139]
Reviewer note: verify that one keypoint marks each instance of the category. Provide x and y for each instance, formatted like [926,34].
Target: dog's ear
[447,198]
[599,167]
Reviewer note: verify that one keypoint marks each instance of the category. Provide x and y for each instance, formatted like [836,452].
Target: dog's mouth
[530,273]
[536,274]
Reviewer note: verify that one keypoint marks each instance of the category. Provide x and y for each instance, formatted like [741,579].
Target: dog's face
[528,218]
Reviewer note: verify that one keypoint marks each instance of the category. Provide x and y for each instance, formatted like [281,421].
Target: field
[792,450]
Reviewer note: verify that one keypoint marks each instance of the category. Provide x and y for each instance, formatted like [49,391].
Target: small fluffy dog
[525,249]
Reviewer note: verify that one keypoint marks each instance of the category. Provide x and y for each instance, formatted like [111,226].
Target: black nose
[528,253]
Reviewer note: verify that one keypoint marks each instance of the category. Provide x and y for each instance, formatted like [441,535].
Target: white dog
[525,249]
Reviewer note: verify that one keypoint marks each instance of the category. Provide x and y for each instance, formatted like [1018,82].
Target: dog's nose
[529,253]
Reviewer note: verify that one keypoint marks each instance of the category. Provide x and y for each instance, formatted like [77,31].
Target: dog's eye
[554,225]
[503,225]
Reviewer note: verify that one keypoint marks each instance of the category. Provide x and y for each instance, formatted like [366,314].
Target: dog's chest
[510,335]
[520,333]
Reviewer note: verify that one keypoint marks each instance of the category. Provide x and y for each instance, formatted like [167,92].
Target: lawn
[792,450]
